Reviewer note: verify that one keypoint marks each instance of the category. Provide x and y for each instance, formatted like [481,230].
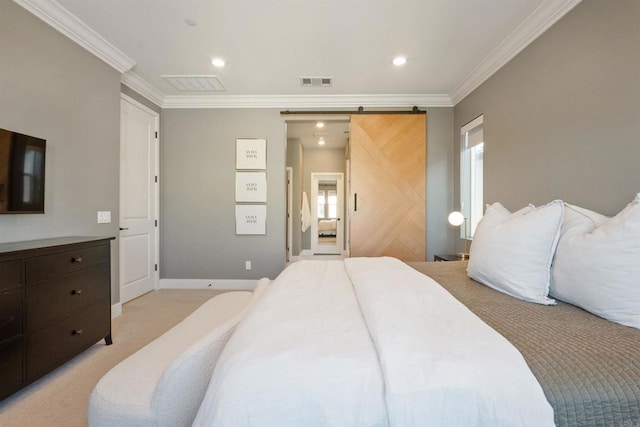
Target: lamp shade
[456,218]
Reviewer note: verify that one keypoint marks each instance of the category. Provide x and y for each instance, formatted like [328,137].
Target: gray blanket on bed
[588,367]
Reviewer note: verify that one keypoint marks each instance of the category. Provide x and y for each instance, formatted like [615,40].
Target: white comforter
[368,342]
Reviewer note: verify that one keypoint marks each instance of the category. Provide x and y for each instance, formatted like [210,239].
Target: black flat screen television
[21,173]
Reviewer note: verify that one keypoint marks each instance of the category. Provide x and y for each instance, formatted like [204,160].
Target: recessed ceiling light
[320,125]
[399,60]
[218,62]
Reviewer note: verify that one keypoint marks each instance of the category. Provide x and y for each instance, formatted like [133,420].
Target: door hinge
[156,178]
[156,222]
[156,267]
[156,134]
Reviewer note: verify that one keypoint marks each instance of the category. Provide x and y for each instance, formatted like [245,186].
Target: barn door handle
[355,202]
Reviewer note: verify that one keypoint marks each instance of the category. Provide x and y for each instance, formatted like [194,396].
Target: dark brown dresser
[55,302]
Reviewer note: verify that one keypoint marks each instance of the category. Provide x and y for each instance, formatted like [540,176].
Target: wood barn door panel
[388,168]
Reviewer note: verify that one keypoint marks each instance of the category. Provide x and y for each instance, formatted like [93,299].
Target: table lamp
[456,218]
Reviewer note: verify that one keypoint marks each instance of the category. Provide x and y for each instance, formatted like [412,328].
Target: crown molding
[68,24]
[547,14]
[142,87]
[307,101]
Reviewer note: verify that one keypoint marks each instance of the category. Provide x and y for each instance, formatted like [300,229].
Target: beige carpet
[61,397]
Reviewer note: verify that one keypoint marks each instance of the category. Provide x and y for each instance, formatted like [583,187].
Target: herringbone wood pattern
[388,169]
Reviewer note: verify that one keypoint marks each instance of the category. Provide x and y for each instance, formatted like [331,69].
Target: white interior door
[138,199]
[327,200]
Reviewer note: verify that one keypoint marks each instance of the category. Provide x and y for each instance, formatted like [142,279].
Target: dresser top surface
[49,243]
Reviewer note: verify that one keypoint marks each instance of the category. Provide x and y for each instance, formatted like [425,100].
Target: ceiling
[451,46]
[335,133]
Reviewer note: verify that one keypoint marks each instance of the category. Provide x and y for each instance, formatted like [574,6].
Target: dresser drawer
[58,299]
[10,366]
[10,313]
[50,266]
[10,274]
[52,346]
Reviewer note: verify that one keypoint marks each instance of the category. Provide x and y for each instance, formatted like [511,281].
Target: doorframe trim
[156,251]
[289,171]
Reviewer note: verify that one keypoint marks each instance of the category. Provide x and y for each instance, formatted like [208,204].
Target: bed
[376,342]
[327,227]
[313,361]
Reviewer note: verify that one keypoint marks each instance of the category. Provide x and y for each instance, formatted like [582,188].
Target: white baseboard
[236,285]
[116,310]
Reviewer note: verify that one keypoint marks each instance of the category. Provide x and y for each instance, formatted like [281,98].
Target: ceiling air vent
[315,81]
[196,83]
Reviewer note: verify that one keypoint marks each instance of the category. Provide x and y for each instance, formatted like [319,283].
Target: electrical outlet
[104,217]
[247,265]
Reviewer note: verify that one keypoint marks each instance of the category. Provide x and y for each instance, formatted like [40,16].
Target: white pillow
[512,253]
[597,264]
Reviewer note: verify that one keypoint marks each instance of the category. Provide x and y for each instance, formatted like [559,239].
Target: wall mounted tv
[21,173]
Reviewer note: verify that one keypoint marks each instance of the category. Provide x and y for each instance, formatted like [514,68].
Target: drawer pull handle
[76,292]
[76,332]
[76,260]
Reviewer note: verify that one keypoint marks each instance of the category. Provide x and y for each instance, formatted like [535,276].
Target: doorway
[316,145]
[327,213]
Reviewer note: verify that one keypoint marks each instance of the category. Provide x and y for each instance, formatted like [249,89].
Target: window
[327,203]
[320,204]
[471,184]
[332,202]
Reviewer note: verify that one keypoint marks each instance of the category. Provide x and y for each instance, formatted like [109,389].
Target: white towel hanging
[305,213]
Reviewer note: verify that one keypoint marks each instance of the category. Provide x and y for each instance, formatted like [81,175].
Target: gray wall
[197,226]
[440,235]
[562,119]
[54,89]
[197,200]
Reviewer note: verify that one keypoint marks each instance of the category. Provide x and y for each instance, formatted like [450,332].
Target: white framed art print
[251,187]
[251,154]
[251,220]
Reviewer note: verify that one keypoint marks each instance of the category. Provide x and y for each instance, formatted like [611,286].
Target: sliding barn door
[387,191]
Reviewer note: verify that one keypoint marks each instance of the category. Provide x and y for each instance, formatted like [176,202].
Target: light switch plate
[104,217]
